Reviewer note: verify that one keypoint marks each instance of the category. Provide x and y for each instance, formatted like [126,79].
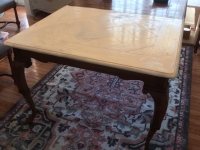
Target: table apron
[157,84]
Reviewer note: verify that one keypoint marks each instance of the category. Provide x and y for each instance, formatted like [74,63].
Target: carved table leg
[18,66]
[160,107]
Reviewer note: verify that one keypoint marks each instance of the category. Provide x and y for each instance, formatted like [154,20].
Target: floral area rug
[86,110]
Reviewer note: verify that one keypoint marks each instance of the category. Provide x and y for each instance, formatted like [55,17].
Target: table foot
[31,117]
[160,107]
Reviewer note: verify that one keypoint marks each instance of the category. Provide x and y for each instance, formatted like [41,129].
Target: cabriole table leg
[160,107]
[18,66]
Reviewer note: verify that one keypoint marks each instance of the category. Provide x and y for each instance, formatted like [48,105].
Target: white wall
[26,4]
[28,9]
[20,2]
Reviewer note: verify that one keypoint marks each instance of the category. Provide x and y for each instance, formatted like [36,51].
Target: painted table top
[140,43]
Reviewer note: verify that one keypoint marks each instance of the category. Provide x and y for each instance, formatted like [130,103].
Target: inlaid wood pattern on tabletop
[9,92]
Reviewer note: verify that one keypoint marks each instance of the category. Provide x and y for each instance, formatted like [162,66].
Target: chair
[6,5]
[5,51]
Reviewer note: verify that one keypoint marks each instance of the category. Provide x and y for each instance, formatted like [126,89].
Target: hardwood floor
[9,94]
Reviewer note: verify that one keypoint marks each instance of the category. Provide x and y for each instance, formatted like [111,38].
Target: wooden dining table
[139,41]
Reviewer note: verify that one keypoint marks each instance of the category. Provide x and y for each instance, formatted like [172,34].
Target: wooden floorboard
[9,93]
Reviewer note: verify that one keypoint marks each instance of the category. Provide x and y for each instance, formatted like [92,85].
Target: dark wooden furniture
[5,51]
[6,5]
[154,84]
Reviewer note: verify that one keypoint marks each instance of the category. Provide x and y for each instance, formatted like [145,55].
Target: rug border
[182,131]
